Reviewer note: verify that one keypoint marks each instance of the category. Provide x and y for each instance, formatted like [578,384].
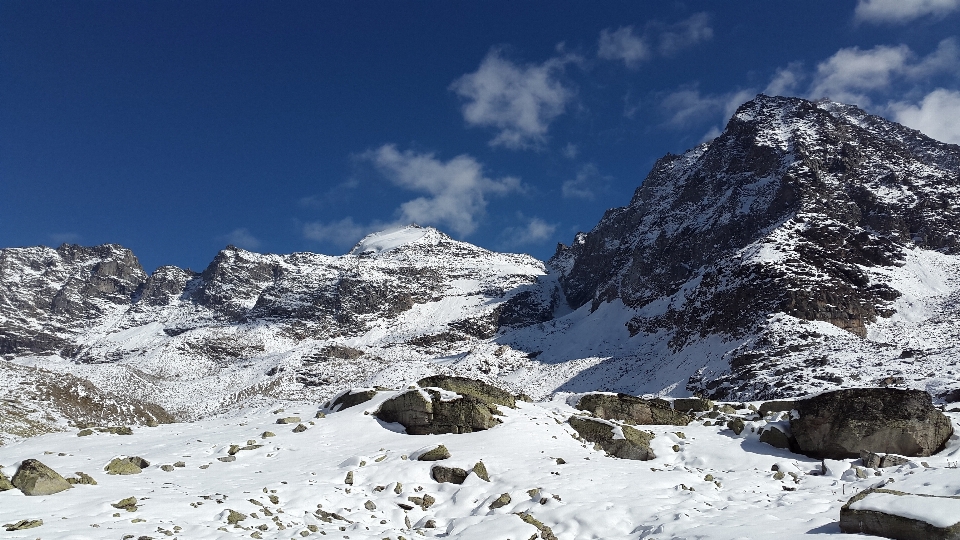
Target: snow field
[588,496]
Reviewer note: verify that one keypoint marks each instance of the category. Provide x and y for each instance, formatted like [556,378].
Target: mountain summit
[810,246]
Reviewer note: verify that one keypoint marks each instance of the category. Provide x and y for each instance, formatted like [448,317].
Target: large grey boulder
[352,398]
[635,444]
[633,409]
[480,390]
[875,512]
[423,416]
[35,478]
[839,424]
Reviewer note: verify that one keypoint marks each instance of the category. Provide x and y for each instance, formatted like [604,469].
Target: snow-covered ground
[705,483]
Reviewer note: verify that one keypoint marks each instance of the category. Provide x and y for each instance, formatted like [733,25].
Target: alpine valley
[810,247]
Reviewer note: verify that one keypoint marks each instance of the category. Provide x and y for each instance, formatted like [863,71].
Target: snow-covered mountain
[810,246]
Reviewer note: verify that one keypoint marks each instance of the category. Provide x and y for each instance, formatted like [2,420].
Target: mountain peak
[393,238]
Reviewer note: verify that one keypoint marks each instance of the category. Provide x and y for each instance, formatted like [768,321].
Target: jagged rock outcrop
[842,423]
[617,440]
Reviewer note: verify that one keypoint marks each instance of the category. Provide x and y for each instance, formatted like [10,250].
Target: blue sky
[176,128]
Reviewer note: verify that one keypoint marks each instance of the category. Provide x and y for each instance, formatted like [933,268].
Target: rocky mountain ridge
[810,246]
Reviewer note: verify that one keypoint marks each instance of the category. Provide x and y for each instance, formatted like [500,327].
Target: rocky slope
[810,246]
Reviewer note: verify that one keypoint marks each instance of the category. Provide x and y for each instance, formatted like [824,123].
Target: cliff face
[783,212]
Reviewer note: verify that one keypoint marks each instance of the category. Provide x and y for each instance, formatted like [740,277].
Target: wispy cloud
[935,115]
[633,47]
[585,184]
[902,11]
[689,107]
[343,233]
[457,193]
[65,238]
[520,101]
[531,232]
[241,238]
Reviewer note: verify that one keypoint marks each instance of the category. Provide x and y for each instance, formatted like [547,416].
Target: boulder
[634,444]
[487,393]
[35,478]
[903,516]
[775,437]
[129,504]
[480,470]
[692,404]
[500,502]
[5,482]
[881,461]
[776,406]
[424,412]
[23,524]
[452,475]
[127,465]
[82,479]
[352,398]
[629,408]
[839,424]
[435,454]
[289,420]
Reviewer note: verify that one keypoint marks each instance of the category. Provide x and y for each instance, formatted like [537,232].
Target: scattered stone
[127,465]
[274,499]
[227,459]
[480,470]
[349,479]
[84,432]
[424,412]
[693,404]
[166,468]
[634,445]
[436,454]
[452,475]
[775,437]
[423,502]
[861,515]
[300,428]
[23,524]
[370,505]
[35,478]
[430,524]
[235,517]
[82,478]
[727,409]
[838,424]
[205,466]
[632,409]
[486,393]
[779,475]
[129,504]
[320,415]
[267,434]
[352,398]
[879,461]
[500,502]
[179,464]
[398,488]
[289,420]
[736,425]
[561,461]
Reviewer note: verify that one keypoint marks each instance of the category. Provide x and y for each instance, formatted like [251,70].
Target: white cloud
[901,11]
[689,107]
[534,231]
[850,74]
[519,100]
[457,189]
[786,80]
[623,44]
[242,238]
[936,115]
[343,233]
[685,34]
[570,151]
[634,48]
[587,181]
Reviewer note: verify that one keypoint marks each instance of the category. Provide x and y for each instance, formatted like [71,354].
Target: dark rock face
[632,409]
[421,416]
[816,171]
[887,525]
[838,425]
[634,445]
